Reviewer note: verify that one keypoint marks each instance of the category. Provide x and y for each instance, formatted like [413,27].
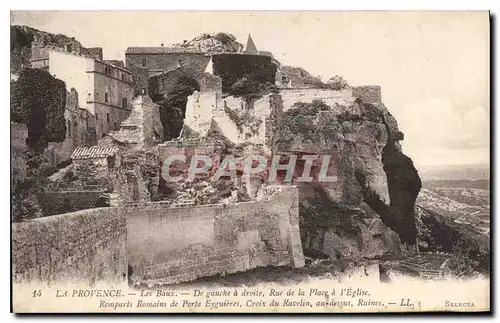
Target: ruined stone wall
[199,111]
[77,132]
[85,246]
[171,245]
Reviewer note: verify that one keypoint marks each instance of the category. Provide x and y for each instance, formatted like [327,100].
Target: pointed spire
[210,67]
[250,47]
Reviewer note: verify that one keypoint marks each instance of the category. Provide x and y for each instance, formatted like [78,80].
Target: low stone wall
[85,246]
[157,243]
[330,97]
[172,245]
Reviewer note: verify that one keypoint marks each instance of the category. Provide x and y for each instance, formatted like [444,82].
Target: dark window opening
[111,162]
[69,47]
[107,117]
[124,102]
[106,97]
[144,63]
[97,96]
[115,126]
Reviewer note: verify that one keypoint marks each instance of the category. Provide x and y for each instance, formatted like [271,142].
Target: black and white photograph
[250,161]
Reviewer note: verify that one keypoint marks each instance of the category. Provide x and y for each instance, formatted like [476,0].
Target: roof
[161,50]
[93,152]
[250,47]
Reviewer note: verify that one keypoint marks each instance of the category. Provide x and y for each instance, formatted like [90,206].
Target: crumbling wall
[171,245]
[85,246]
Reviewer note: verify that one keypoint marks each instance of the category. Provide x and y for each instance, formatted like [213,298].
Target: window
[115,126]
[124,102]
[107,117]
[144,62]
[124,77]
[69,47]
[161,66]
[97,96]
[107,70]
[106,97]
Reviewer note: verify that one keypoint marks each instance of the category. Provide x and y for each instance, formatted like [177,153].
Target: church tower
[250,48]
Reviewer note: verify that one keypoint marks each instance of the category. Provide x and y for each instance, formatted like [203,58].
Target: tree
[337,83]
[38,99]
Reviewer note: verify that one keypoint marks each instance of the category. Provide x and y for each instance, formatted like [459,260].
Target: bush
[336,83]
[38,100]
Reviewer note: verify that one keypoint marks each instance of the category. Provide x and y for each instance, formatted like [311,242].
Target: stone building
[77,133]
[161,59]
[104,90]
[106,158]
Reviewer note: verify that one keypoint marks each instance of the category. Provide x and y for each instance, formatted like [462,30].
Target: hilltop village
[107,126]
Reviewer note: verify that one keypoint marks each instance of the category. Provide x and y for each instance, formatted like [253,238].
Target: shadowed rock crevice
[403,183]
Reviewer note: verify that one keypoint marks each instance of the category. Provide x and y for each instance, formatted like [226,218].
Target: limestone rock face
[371,169]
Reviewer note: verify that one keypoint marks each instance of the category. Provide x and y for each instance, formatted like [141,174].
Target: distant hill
[455,172]
[462,201]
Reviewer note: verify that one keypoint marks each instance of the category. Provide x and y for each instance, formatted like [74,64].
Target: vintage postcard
[250,161]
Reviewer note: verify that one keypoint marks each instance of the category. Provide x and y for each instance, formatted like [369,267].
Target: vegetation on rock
[336,83]
[470,249]
[309,123]
[38,100]
[26,203]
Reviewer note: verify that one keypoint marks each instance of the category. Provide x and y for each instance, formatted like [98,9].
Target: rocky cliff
[377,184]
[368,211]
[22,38]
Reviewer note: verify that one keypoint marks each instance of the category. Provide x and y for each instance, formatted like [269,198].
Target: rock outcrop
[214,43]
[23,38]
[368,211]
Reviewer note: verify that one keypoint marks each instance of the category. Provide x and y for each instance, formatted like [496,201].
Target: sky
[433,66]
